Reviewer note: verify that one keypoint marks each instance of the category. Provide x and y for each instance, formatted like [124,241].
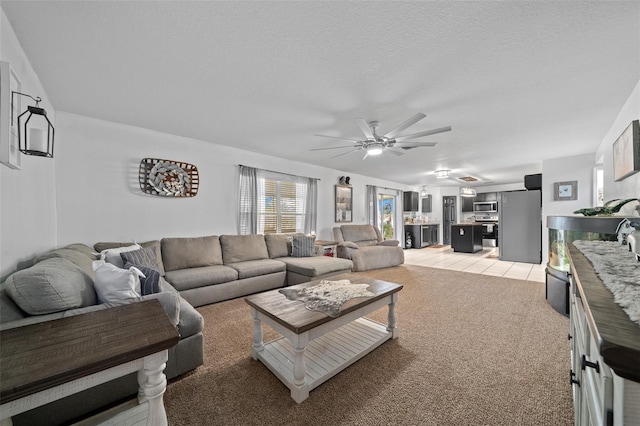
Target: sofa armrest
[392,243]
[349,244]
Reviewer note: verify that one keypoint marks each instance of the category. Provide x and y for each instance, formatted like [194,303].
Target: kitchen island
[466,237]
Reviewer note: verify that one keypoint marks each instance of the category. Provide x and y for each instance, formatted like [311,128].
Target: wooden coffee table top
[293,315]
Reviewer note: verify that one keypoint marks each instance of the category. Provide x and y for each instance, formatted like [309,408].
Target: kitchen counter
[466,237]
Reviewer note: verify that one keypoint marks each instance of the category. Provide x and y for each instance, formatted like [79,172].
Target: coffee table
[314,346]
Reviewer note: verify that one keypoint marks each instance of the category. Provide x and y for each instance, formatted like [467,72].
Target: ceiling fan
[375,144]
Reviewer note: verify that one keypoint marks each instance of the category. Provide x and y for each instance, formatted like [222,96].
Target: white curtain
[372,206]
[311,207]
[400,217]
[248,200]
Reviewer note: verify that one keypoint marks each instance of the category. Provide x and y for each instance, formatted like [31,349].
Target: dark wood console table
[47,361]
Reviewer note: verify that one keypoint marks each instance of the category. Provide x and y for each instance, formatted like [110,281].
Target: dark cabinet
[467,204]
[429,235]
[411,201]
[489,196]
[422,235]
[426,204]
[466,238]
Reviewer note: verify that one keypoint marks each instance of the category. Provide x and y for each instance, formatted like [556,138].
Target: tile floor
[483,262]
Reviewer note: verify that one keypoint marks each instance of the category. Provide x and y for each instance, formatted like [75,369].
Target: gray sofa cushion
[278,245]
[52,285]
[154,243]
[240,248]
[190,252]
[184,279]
[255,268]
[316,265]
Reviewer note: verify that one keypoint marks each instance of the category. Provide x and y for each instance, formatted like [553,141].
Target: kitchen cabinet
[467,204]
[466,238]
[490,196]
[426,204]
[422,235]
[604,351]
[410,203]
[430,235]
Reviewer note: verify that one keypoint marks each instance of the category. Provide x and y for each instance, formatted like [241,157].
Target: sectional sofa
[193,272]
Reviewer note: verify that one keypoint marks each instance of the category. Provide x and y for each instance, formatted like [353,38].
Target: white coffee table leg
[391,317]
[300,390]
[258,346]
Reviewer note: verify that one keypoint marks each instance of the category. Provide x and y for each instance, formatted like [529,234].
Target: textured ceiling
[519,82]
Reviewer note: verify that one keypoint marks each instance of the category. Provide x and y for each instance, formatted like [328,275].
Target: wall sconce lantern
[35,131]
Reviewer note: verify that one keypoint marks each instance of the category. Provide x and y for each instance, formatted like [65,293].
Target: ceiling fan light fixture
[375,149]
[443,173]
[467,191]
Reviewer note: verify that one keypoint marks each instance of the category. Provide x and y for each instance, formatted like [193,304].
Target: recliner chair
[364,245]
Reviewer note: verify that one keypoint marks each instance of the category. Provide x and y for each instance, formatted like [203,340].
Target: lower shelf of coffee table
[326,355]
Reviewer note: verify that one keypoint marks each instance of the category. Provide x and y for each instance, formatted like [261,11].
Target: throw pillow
[52,285]
[145,257]
[302,246]
[149,281]
[112,255]
[115,285]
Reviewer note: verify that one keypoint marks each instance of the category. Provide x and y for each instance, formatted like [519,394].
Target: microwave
[485,206]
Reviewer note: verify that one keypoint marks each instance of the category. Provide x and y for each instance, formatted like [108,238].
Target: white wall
[577,168]
[27,207]
[629,187]
[99,198]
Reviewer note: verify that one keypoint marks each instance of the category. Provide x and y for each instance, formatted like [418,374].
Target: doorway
[387,215]
[448,217]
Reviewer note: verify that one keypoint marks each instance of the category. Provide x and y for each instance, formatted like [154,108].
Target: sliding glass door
[387,212]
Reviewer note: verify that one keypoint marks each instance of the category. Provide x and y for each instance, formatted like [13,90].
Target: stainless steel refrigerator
[520,225]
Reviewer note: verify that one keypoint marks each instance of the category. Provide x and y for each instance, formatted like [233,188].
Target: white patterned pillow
[116,285]
[112,255]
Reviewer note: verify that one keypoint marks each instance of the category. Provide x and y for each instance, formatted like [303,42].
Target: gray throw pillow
[150,283]
[144,257]
[52,285]
[302,246]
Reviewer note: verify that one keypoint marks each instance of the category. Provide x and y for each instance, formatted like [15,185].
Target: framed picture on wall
[626,152]
[344,203]
[565,191]
[9,145]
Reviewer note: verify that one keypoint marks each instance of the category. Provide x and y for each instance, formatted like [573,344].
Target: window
[281,208]
[273,202]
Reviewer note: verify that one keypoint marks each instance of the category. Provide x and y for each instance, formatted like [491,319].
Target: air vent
[468,179]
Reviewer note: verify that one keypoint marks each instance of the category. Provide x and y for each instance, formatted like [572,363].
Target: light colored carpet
[473,350]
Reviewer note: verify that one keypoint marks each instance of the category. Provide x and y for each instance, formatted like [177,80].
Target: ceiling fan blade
[410,122]
[345,153]
[334,147]
[418,143]
[364,126]
[336,137]
[394,151]
[425,133]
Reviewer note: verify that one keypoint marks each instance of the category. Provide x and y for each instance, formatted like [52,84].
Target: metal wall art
[167,178]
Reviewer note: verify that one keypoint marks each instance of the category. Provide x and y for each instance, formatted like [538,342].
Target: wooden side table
[48,361]
[328,247]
